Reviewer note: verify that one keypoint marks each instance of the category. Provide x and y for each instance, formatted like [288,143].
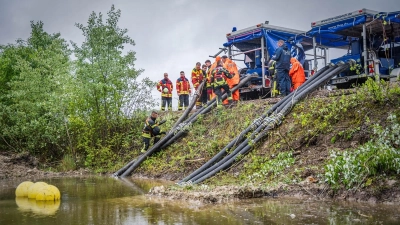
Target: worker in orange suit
[232,68]
[197,78]
[296,73]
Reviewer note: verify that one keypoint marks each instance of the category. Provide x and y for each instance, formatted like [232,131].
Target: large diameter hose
[285,110]
[257,122]
[228,163]
[191,105]
[172,135]
[228,157]
[180,130]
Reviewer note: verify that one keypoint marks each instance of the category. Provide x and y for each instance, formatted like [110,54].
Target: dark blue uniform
[282,58]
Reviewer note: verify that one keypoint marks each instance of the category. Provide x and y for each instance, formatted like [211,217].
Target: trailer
[254,46]
[371,38]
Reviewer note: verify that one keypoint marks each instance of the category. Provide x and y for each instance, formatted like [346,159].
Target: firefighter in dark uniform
[151,129]
[218,81]
[272,74]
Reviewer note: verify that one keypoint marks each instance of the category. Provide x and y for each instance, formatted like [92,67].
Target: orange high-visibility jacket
[297,72]
[197,77]
[183,86]
[232,68]
[165,83]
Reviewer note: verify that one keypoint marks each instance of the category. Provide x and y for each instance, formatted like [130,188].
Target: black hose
[244,148]
[171,136]
[240,137]
[191,105]
[226,158]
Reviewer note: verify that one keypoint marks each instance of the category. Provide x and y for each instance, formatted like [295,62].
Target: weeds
[379,156]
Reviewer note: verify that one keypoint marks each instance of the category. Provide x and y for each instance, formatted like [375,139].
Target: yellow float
[39,191]
[22,189]
[33,190]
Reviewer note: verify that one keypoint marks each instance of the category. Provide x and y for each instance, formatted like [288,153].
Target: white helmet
[165,90]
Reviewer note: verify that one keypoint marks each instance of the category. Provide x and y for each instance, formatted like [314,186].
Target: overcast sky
[172,35]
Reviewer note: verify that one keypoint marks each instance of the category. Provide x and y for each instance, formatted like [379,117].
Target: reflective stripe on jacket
[165,83]
[183,86]
[219,76]
[197,77]
[149,125]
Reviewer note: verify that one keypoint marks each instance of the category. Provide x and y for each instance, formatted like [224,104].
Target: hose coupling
[340,63]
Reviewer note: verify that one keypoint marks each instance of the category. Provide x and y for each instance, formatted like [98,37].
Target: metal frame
[356,31]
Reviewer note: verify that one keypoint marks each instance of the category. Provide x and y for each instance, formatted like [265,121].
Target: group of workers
[221,75]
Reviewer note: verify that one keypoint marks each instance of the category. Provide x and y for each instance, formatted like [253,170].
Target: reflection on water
[40,208]
[102,200]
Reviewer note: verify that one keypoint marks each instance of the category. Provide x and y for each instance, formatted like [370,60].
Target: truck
[254,46]
[371,39]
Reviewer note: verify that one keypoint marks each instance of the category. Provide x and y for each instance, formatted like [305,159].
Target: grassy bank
[347,140]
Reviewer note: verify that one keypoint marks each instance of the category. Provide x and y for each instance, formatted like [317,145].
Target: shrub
[378,156]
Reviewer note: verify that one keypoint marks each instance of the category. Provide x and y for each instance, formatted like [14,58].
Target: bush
[378,156]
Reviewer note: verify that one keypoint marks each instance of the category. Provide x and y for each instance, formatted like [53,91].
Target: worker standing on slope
[166,87]
[296,73]
[282,57]
[272,74]
[151,129]
[212,67]
[204,92]
[232,68]
[219,75]
[183,89]
[197,78]
[208,82]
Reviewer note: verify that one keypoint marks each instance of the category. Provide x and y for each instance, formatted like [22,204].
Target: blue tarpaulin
[326,34]
[337,26]
[271,37]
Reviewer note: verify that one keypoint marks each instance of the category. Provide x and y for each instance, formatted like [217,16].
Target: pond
[104,200]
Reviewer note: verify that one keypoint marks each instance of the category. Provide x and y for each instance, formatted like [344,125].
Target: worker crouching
[219,78]
[151,129]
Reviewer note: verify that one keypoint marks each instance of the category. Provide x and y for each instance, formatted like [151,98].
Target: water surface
[103,200]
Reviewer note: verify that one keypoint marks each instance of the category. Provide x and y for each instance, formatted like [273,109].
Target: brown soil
[16,166]
[305,190]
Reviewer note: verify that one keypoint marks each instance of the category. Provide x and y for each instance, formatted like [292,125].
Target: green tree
[34,76]
[107,75]
[108,90]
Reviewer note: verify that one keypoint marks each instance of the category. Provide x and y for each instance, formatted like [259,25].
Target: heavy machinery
[254,46]
[371,38]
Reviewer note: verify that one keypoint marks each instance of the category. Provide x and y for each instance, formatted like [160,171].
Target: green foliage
[270,168]
[34,100]
[106,78]
[67,163]
[357,68]
[375,90]
[379,156]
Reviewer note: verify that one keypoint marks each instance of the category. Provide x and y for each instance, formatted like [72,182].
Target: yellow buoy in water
[54,189]
[22,189]
[33,189]
[44,194]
